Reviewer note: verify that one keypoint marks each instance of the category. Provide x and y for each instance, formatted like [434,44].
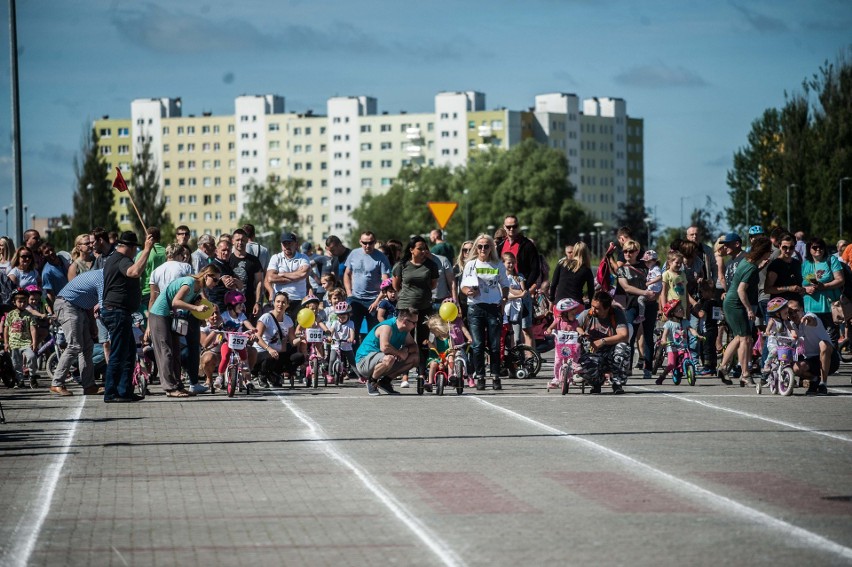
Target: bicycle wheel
[231,379]
[440,378]
[786,381]
[140,380]
[758,385]
[315,377]
[689,372]
[846,350]
[659,354]
[565,376]
[528,359]
[774,379]
[421,385]
[292,380]
[52,363]
[336,372]
[460,376]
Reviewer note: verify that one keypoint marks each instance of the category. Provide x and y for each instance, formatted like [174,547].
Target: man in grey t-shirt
[366,268]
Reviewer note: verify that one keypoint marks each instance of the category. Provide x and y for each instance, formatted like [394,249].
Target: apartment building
[205,162]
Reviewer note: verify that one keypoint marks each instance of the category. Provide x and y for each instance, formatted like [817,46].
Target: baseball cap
[306,247]
[731,237]
[649,255]
[287,236]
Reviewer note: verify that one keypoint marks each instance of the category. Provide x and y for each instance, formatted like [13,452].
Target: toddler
[321,321]
[564,328]
[653,282]
[19,338]
[779,325]
[439,348]
[387,301]
[342,332]
[674,335]
[234,320]
[459,335]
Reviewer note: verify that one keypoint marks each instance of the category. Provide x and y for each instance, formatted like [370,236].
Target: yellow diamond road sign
[442,212]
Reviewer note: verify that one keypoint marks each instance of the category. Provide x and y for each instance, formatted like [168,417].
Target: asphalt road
[664,475]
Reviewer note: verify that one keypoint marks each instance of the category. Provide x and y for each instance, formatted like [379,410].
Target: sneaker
[219,382]
[647,375]
[262,381]
[385,385]
[33,382]
[471,383]
[405,383]
[480,383]
[554,383]
[198,388]
[659,381]
[822,390]
[706,372]
[639,319]
[371,388]
[496,384]
[812,390]
[617,389]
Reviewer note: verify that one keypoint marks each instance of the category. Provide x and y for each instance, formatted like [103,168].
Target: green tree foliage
[633,214]
[146,194]
[529,180]
[804,147]
[92,207]
[273,206]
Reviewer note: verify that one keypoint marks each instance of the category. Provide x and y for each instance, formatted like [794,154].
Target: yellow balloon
[208,309]
[448,312]
[306,318]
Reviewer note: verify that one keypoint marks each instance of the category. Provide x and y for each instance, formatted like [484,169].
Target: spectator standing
[439,247]
[256,249]
[82,258]
[122,293]
[53,276]
[101,247]
[340,253]
[206,250]
[365,270]
[248,269]
[822,274]
[288,272]
[182,235]
[784,273]
[572,275]
[528,265]
[414,277]
[228,281]
[156,258]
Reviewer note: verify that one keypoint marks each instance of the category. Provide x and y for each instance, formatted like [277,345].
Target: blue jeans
[122,358]
[485,318]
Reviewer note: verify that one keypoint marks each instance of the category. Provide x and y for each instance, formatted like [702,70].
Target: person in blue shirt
[388,350]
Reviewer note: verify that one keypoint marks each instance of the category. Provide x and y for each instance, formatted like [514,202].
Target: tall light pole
[24,221]
[598,226]
[18,191]
[91,189]
[6,210]
[790,186]
[648,230]
[558,229]
[466,215]
[840,200]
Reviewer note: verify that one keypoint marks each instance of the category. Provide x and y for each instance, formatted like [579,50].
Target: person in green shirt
[155,260]
[739,306]
[439,247]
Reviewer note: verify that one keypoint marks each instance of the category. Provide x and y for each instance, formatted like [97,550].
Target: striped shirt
[84,291]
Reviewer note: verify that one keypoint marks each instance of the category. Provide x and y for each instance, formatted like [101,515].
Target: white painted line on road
[752,415]
[26,533]
[708,497]
[418,528]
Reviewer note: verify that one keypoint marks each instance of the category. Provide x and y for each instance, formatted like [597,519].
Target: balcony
[485,132]
[413,134]
[483,147]
[414,150]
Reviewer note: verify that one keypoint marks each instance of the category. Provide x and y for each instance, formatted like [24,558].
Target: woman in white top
[486,285]
[7,249]
[275,350]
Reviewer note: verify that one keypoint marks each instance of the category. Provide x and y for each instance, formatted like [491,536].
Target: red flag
[119,182]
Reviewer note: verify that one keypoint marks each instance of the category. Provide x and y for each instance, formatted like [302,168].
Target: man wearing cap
[122,294]
[74,307]
[288,272]
[366,268]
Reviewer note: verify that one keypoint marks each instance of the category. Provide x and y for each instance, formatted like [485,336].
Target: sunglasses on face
[26,257]
[817,248]
[367,242]
[510,226]
[465,250]
[215,279]
[631,251]
[183,234]
[483,246]
[787,248]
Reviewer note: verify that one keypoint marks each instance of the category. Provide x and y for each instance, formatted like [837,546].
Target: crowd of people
[116,298]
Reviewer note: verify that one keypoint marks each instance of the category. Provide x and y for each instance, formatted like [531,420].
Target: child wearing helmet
[675,331]
[439,350]
[342,332]
[321,321]
[778,325]
[564,329]
[19,337]
[234,319]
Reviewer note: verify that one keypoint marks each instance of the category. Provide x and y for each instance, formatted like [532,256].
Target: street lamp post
[24,221]
[790,186]
[466,215]
[648,230]
[91,189]
[490,228]
[598,226]
[840,200]
[6,210]
[558,229]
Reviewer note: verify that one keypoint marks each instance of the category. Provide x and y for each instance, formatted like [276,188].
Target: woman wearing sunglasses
[486,285]
[823,280]
[784,274]
[24,272]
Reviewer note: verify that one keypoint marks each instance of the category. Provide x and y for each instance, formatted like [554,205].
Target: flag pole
[121,185]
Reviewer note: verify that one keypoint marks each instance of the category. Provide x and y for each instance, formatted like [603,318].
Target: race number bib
[313,335]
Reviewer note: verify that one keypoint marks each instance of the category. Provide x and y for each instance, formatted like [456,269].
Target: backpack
[605,279]
[7,288]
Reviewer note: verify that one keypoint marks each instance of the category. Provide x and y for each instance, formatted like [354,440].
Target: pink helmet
[234,297]
[776,304]
[567,305]
[386,284]
[33,289]
[342,308]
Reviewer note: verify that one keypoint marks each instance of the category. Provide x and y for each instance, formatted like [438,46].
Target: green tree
[272,206]
[92,207]
[804,149]
[633,214]
[145,186]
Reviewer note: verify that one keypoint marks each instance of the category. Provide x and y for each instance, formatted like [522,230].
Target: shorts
[526,312]
[815,368]
[366,365]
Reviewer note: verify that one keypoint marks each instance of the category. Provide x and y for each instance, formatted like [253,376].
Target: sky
[698,73]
